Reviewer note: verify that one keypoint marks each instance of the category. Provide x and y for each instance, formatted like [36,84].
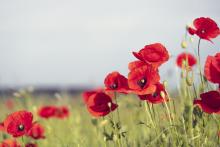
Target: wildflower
[36,131]
[116,82]
[47,111]
[18,123]
[205,28]
[159,96]
[209,102]
[10,143]
[186,61]
[61,112]
[154,54]
[98,104]
[142,80]
[212,68]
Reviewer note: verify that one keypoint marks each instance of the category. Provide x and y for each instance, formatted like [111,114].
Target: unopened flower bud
[184,44]
[162,94]
[189,80]
[191,39]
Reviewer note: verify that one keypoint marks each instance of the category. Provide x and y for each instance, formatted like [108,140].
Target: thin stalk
[149,115]
[200,68]
[118,115]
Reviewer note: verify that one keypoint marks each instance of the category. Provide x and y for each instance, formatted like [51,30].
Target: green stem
[200,68]
[148,113]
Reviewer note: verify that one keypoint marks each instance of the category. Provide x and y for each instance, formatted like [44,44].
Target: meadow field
[137,110]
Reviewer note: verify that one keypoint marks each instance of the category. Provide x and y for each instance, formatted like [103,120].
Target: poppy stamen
[114,86]
[20,127]
[155,94]
[142,82]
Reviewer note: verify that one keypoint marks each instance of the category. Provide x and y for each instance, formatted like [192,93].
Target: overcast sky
[77,42]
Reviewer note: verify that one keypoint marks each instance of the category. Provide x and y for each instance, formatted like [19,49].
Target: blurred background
[76,43]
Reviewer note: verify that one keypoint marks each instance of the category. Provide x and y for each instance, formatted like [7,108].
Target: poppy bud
[189,81]
[191,39]
[184,44]
[165,83]
[162,94]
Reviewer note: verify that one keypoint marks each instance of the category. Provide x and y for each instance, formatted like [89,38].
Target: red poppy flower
[61,112]
[2,128]
[159,96]
[135,64]
[87,94]
[18,123]
[100,104]
[155,54]
[186,60]
[9,143]
[36,131]
[209,102]
[205,28]
[116,82]
[47,111]
[212,68]
[142,80]
[31,145]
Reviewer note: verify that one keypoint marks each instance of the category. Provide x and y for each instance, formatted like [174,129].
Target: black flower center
[155,94]
[114,86]
[21,127]
[142,82]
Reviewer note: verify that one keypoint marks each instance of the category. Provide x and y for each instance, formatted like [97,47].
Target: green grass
[141,125]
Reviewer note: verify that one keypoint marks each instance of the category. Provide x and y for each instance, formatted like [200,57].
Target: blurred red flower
[205,28]
[9,143]
[209,102]
[36,131]
[2,128]
[186,60]
[31,145]
[142,80]
[159,96]
[100,104]
[61,112]
[116,82]
[154,54]
[18,123]
[212,68]
[47,111]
